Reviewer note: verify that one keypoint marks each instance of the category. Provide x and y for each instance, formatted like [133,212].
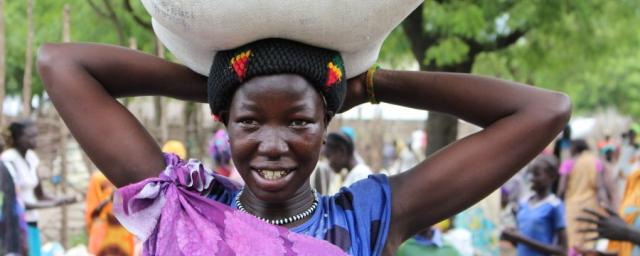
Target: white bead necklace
[282,221]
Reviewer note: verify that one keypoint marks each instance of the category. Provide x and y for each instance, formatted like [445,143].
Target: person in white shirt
[22,163]
[338,150]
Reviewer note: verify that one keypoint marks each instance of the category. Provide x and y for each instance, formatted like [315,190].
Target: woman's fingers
[591,239]
[593,213]
[588,230]
[588,220]
[610,211]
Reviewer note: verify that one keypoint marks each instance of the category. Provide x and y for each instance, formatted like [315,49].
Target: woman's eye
[248,123]
[299,123]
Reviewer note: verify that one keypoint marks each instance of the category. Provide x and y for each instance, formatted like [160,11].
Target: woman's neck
[22,151]
[352,164]
[300,202]
[541,195]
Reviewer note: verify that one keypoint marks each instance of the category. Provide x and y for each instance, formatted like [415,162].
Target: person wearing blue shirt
[541,218]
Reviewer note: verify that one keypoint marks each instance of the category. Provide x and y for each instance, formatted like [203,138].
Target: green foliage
[396,51]
[588,49]
[86,26]
[448,51]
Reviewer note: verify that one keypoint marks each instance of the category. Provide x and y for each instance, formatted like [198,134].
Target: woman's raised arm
[83,81]
[518,121]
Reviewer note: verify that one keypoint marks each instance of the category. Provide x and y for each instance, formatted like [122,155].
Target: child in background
[435,241]
[541,218]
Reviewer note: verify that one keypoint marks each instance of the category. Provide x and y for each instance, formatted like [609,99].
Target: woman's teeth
[272,174]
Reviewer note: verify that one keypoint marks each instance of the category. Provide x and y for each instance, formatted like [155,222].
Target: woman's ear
[327,119]
[224,117]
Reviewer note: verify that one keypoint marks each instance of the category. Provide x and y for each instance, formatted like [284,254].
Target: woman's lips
[272,179]
[273,174]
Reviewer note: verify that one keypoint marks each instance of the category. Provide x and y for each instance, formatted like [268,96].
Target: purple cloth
[174,217]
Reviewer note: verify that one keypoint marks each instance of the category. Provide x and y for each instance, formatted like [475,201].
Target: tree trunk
[2,62]
[442,130]
[26,80]
[64,211]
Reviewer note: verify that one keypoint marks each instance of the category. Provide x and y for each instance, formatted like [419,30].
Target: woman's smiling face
[276,127]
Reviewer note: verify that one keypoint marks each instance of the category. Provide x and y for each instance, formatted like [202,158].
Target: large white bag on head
[194,30]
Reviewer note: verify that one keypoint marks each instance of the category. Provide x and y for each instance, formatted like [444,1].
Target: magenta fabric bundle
[174,216]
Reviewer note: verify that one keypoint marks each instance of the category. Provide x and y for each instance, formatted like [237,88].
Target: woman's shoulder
[368,198]
[376,185]
[9,154]
[362,210]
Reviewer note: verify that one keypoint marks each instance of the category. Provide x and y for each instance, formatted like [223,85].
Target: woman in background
[106,235]
[22,161]
[13,228]
[582,185]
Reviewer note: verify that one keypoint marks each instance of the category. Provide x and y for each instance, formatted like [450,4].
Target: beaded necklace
[286,220]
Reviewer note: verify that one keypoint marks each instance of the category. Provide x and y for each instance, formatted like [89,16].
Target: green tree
[562,45]
[86,24]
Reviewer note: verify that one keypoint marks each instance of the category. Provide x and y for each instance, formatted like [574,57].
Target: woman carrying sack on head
[276,98]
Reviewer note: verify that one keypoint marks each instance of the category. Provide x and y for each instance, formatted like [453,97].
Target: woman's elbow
[50,56]
[46,56]
[561,108]
[555,109]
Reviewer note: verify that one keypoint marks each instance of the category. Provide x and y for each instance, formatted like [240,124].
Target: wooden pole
[28,64]
[66,37]
[161,120]
[2,63]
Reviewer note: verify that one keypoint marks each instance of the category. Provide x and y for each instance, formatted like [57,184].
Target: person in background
[220,152]
[541,218]
[175,147]
[338,150]
[106,235]
[562,147]
[582,184]
[13,227]
[625,163]
[507,219]
[22,162]
[351,133]
[322,177]
[429,241]
[623,227]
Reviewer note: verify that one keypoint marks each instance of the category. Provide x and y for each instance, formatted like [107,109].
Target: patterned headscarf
[323,68]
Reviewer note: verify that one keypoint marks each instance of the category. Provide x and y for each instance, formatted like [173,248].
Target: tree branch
[114,18]
[500,43]
[112,13]
[412,27]
[508,40]
[97,9]
[136,18]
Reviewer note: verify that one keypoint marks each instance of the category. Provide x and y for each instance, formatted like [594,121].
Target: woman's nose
[273,144]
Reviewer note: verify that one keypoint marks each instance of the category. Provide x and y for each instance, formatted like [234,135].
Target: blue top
[540,221]
[355,219]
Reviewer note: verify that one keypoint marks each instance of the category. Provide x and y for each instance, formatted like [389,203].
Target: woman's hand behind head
[356,93]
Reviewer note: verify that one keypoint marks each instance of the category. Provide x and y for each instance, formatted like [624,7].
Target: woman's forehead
[277,89]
